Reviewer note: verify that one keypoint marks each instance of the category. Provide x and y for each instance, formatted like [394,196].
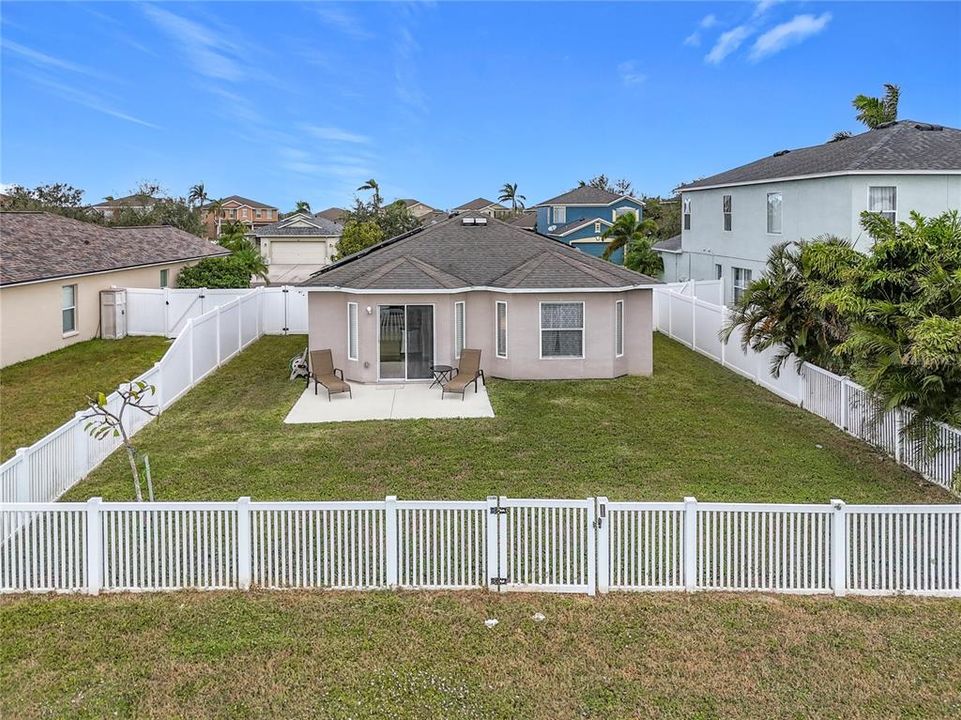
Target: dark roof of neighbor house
[134,200]
[574,225]
[904,145]
[332,213]
[318,227]
[478,204]
[244,201]
[526,220]
[452,254]
[41,246]
[587,195]
[410,202]
[434,216]
[671,244]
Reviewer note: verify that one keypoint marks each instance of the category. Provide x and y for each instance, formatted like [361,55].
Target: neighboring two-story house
[484,207]
[730,221]
[580,217]
[112,206]
[233,208]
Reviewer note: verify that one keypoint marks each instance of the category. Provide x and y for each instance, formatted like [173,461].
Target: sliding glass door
[406,342]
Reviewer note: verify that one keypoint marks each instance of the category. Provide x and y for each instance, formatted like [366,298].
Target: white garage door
[305,252]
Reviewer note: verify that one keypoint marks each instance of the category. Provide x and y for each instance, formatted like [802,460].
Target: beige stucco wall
[327,326]
[30,315]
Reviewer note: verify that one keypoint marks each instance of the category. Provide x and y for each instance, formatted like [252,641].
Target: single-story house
[297,246]
[52,270]
[535,307]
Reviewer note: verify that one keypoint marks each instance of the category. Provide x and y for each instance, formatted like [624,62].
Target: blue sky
[446,101]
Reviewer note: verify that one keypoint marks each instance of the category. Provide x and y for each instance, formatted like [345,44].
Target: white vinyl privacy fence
[696,323]
[204,342]
[501,544]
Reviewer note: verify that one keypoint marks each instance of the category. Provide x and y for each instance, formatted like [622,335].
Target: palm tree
[840,135]
[216,208]
[509,193]
[631,233]
[302,207]
[198,195]
[372,185]
[873,111]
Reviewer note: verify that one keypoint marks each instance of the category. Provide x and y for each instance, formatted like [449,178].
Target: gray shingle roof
[584,195]
[903,145]
[451,255]
[526,220]
[478,204]
[671,244]
[245,201]
[127,201]
[39,246]
[335,214]
[318,227]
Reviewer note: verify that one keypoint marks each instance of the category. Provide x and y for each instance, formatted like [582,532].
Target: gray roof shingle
[671,244]
[526,220]
[39,246]
[902,145]
[334,214]
[478,204]
[584,195]
[452,255]
[318,227]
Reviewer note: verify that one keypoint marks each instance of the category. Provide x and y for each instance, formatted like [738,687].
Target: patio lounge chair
[467,373]
[323,372]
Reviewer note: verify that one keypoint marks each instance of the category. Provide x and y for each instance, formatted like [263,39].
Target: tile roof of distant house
[332,213]
[134,200]
[671,244]
[316,226]
[526,220]
[587,195]
[478,204]
[245,201]
[38,246]
[452,255]
[903,145]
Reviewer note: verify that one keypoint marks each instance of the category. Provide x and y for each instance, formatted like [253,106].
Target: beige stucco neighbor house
[297,246]
[53,268]
[536,307]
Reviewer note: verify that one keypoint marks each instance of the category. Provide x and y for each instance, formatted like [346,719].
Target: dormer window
[597,228]
[560,214]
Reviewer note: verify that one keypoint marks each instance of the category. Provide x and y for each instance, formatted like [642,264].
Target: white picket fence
[580,546]
[53,464]
[697,324]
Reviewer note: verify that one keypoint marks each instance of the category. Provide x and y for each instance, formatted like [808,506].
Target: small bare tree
[103,422]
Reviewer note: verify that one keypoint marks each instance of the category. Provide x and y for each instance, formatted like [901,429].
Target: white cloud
[41,59]
[89,100]
[708,21]
[727,43]
[792,32]
[693,40]
[340,19]
[629,73]
[763,6]
[335,134]
[210,53]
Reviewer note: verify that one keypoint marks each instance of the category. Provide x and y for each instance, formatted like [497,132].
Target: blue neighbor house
[581,216]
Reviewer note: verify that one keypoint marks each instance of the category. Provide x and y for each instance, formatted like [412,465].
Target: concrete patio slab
[388,402]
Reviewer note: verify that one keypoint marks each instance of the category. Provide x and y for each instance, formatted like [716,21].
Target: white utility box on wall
[113,314]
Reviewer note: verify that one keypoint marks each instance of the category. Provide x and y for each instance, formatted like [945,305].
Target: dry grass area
[416,655]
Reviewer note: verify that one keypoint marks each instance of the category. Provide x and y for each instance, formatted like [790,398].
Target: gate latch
[499,581]
[498,510]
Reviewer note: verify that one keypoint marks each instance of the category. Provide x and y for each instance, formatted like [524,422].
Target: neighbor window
[68,309]
[164,278]
[774,213]
[257,213]
[718,271]
[597,228]
[351,331]
[501,321]
[619,328]
[726,209]
[245,212]
[742,278]
[884,200]
[624,211]
[562,330]
[460,331]
[687,213]
[560,215]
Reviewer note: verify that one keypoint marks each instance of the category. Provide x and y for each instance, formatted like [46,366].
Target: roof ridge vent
[925,127]
[780,153]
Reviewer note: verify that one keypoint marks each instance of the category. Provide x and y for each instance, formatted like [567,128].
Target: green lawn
[39,395]
[693,428]
[429,655]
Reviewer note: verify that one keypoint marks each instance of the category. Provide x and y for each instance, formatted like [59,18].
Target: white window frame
[718,271]
[72,308]
[686,213]
[884,212]
[497,329]
[597,227]
[559,214]
[582,328]
[623,210]
[780,214]
[619,328]
[727,216]
[460,326]
[353,331]
[738,289]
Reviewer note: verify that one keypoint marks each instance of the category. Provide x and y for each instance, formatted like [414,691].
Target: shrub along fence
[696,323]
[585,545]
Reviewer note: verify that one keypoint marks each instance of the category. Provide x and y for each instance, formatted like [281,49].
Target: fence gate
[543,545]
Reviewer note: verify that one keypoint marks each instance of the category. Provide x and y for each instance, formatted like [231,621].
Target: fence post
[723,342]
[802,385]
[839,549]
[94,546]
[81,444]
[189,329]
[217,329]
[844,404]
[898,424]
[166,301]
[243,543]
[22,493]
[392,546]
[602,522]
[493,546]
[690,544]
[159,385]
